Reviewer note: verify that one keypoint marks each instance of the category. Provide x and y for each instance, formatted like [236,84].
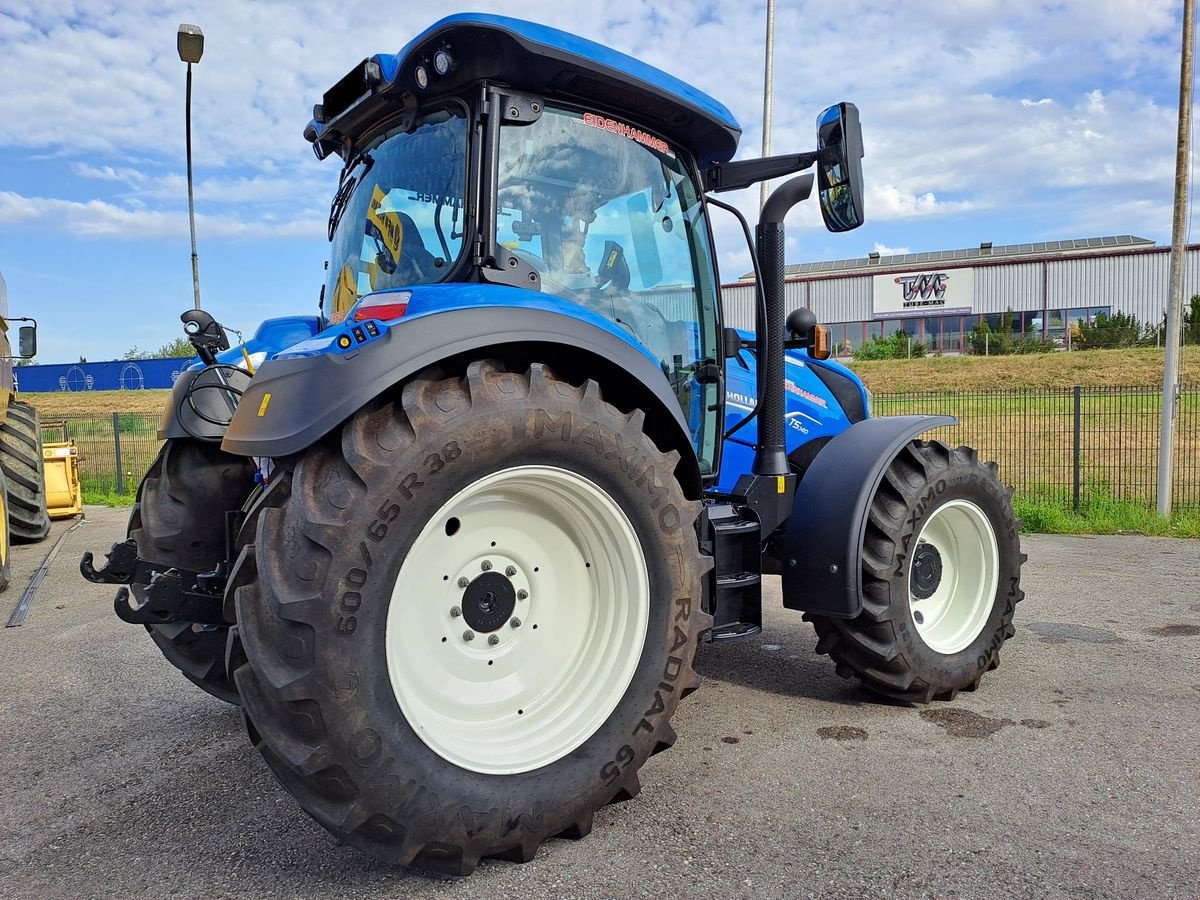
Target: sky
[984,120]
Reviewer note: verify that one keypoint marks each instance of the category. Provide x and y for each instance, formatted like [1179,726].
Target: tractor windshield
[397,218]
[611,219]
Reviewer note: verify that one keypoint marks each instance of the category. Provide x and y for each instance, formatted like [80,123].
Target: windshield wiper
[346,187]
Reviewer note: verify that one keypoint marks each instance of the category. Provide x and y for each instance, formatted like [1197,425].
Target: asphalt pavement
[1071,772]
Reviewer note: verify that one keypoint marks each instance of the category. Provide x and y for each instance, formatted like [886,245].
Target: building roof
[984,251]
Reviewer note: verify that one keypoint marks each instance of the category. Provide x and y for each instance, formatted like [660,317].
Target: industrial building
[938,297]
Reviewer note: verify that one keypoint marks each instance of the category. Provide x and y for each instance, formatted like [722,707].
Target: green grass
[1105,516]
[100,497]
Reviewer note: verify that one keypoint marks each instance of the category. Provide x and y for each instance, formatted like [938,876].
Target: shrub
[1106,332]
[895,346]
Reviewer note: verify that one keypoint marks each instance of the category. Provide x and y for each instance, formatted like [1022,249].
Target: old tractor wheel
[21,460]
[941,575]
[469,617]
[178,519]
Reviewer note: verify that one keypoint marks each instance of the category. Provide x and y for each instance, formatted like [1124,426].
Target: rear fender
[819,549]
[295,400]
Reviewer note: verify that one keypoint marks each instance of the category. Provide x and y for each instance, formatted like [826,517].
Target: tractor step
[735,585]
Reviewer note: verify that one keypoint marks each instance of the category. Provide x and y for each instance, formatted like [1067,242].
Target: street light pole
[1170,400]
[190,41]
[768,79]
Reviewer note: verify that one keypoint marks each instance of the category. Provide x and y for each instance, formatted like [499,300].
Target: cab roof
[527,57]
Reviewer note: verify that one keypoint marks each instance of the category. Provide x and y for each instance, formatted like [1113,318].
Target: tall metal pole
[768,86]
[187,115]
[1170,401]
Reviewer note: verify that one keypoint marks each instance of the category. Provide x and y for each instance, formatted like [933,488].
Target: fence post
[117,446]
[1075,453]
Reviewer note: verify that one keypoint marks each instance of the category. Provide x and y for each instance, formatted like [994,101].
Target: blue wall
[119,375]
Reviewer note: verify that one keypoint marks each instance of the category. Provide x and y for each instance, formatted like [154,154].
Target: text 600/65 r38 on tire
[468,617]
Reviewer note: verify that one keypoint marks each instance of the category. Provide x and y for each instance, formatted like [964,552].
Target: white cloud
[98,218]
[884,250]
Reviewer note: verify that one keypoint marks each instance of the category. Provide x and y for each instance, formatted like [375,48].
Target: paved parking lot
[1072,772]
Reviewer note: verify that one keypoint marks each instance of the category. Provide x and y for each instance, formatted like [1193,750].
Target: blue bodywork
[429,299]
[535,57]
[566,42]
[812,410]
[270,338]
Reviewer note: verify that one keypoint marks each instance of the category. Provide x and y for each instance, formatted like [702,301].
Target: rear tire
[178,519]
[22,463]
[359,684]
[926,634]
[5,548]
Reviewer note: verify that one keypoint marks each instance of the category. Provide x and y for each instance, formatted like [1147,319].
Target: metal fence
[1075,447]
[114,451]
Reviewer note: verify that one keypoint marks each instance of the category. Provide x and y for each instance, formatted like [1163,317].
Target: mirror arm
[741,174]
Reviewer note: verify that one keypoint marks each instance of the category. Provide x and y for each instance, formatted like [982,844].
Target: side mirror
[800,323]
[839,167]
[27,341]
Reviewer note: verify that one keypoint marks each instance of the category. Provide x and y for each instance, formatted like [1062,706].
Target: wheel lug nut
[464,582]
[486,566]
[493,640]
[522,594]
[510,571]
[455,612]
[468,635]
[514,622]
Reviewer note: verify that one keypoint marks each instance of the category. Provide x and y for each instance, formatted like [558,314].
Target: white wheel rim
[953,615]
[518,698]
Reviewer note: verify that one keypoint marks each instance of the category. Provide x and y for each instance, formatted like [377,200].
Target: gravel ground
[1072,772]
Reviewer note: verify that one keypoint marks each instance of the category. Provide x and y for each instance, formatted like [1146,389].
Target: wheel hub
[512,636]
[488,602]
[926,571]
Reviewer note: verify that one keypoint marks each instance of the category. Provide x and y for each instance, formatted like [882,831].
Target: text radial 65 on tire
[21,459]
[941,577]
[471,617]
[178,519]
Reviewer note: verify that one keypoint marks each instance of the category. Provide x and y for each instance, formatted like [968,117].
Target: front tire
[429,519]
[941,576]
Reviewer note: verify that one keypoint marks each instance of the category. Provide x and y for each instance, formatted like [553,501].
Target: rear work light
[383,307]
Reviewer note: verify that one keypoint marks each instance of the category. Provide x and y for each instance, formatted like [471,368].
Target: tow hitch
[172,595]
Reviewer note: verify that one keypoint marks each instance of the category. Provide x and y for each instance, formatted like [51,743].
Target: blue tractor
[453,543]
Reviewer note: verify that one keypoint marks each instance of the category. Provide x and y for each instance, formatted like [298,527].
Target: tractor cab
[496,151]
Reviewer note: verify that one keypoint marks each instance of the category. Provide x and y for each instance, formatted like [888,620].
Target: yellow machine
[64,494]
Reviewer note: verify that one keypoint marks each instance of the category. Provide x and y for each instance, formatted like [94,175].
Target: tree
[1106,331]
[1191,322]
[178,347]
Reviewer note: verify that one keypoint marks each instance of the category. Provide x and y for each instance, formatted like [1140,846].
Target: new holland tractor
[453,543]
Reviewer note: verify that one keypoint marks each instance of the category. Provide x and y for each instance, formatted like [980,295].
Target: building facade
[938,297]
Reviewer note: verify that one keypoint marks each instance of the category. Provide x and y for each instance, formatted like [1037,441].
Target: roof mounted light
[443,62]
[422,76]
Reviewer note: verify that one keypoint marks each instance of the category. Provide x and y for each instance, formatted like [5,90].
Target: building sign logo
[897,296]
[930,289]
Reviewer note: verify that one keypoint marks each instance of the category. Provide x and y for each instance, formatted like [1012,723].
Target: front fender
[293,402]
[820,546]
